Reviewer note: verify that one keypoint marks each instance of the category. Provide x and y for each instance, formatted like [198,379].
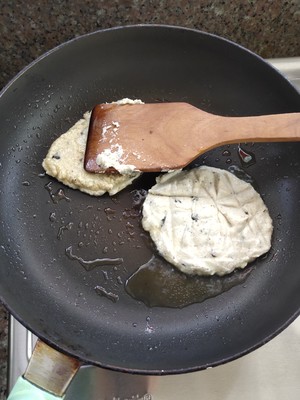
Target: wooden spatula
[166,136]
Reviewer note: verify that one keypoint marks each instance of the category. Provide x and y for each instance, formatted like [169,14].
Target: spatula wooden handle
[265,128]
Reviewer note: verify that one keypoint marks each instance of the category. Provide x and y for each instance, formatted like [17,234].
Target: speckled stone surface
[270,28]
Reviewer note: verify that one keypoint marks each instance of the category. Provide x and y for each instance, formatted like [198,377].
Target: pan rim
[153,372]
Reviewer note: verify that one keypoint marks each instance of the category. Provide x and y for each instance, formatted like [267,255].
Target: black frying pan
[52,294]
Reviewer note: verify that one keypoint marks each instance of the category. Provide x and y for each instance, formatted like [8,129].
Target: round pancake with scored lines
[207,221]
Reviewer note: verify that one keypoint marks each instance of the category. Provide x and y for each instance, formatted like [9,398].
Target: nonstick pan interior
[42,221]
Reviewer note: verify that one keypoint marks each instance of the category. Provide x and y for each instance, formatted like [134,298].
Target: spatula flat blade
[149,137]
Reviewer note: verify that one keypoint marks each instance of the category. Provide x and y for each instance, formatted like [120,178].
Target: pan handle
[47,376]
[24,390]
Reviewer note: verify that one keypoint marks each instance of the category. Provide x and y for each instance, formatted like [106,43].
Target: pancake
[206,221]
[64,161]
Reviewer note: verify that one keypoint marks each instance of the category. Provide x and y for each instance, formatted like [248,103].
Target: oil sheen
[158,284]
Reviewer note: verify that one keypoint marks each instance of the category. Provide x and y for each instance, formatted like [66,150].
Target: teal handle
[24,390]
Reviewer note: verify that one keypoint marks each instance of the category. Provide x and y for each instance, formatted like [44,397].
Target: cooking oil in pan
[103,292]
[91,264]
[227,153]
[56,196]
[241,174]
[158,284]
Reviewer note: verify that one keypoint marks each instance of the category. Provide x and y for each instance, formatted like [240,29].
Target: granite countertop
[270,28]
